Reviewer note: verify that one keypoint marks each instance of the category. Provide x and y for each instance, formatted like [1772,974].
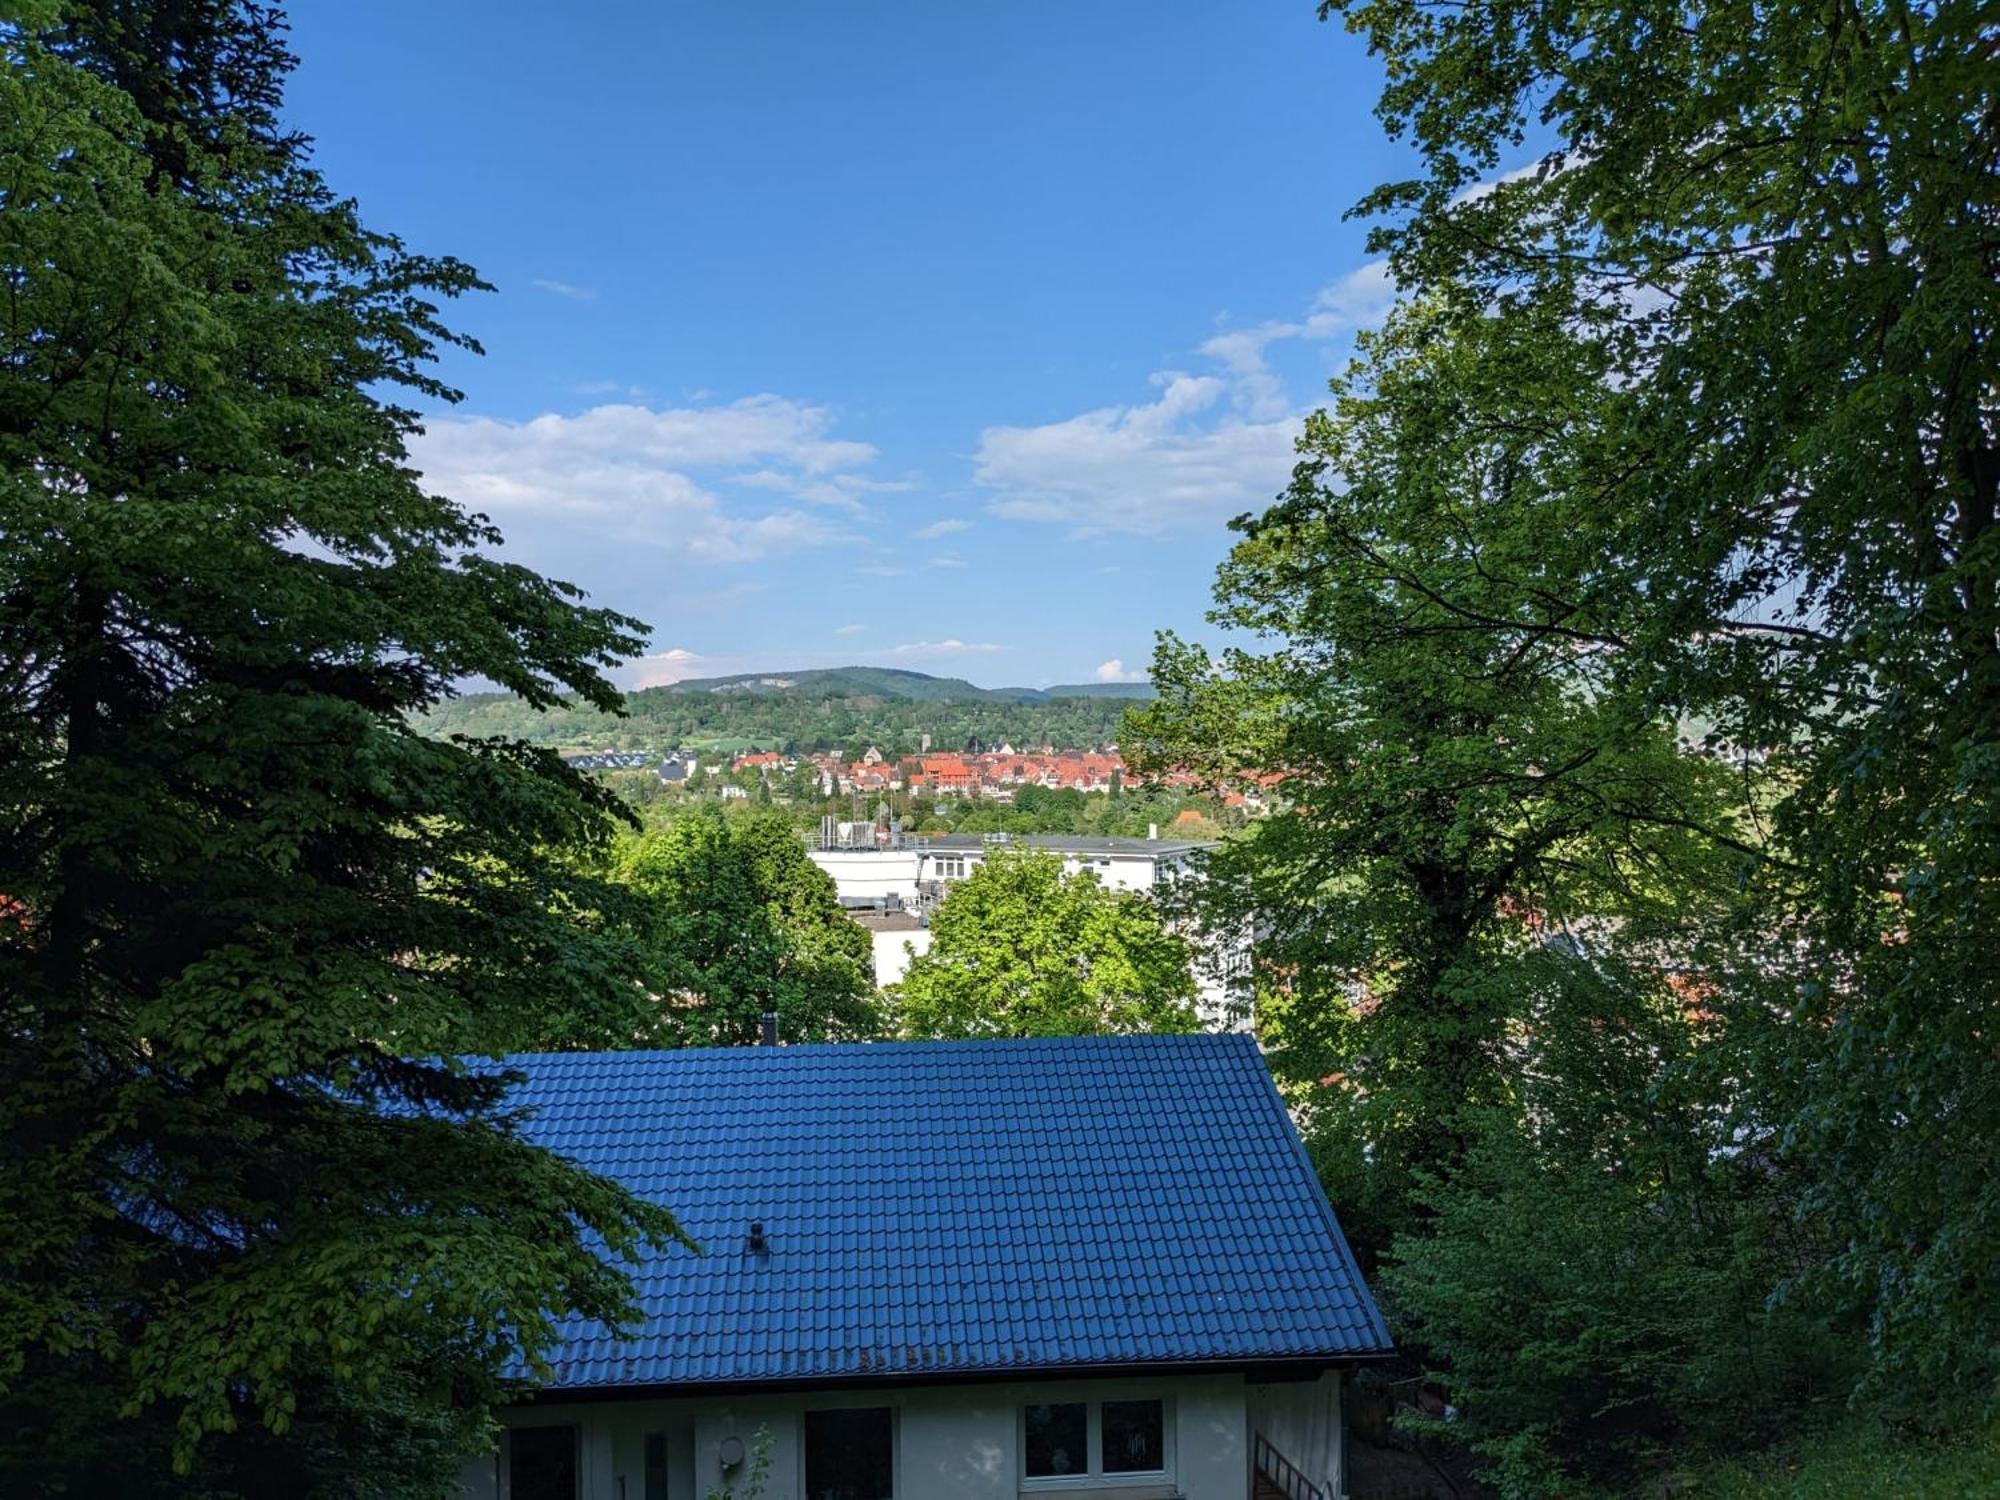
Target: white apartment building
[892,887]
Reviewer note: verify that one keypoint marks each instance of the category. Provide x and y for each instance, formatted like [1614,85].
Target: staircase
[1275,1478]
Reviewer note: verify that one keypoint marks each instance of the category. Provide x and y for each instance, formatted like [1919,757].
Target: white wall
[871,874]
[958,1442]
[893,952]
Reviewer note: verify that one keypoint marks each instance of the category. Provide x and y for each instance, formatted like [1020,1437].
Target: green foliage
[1952,1460]
[1593,1280]
[1018,948]
[1066,810]
[1765,236]
[1692,424]
[254,1229]
[837,714]
[1457,784]
[737,920]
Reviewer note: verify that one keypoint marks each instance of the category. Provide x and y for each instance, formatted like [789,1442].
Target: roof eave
[1270,1369]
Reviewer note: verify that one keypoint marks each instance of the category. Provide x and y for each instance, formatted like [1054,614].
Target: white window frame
[1095,1478]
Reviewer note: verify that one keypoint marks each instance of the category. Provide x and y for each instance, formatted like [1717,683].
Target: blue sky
[932,335]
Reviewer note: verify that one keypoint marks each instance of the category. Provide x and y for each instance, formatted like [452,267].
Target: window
[541,1463]
[1135,1437]
[850,1455]
[1058,1440]
[1091,1440]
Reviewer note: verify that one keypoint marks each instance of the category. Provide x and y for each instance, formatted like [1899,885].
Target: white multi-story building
[895,882]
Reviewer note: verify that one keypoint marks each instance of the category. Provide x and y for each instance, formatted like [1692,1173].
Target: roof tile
[960,1206]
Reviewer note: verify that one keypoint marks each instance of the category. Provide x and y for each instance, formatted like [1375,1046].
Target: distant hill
[1101,690]
[895,683]
[811,709]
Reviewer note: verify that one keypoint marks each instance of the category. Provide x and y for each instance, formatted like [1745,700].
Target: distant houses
[608,760]
[997,775]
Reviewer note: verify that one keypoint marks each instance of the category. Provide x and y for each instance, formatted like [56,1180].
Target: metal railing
[1274,1468]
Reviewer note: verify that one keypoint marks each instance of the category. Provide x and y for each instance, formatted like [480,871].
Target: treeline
[663,718]
[1137,812]
[1655,1079]
[732,920]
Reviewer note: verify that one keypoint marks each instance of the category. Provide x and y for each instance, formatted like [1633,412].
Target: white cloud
[850,630]
[709,601]
[841,491]
[946,560]
[621,476]
[564,289]
[938,529]
[950,647]
[1211,446]
[1147,470]
[663,667]
[1359,299]
[1486,189]
[1114,671]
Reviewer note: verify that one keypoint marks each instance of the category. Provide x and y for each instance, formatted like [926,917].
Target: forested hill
[824,708]
[897,682]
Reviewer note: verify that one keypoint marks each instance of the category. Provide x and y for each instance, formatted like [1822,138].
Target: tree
[1457,785]
[1486,875]
[1772,232]
[1595,1278]
[739,921]
[1635,596]
[253,1220]
[1019,948]
[825,983]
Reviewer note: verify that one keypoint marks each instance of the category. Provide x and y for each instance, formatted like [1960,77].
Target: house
[1057,1268]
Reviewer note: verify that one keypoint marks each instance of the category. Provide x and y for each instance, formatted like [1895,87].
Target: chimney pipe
[1153,831]
[770,1037]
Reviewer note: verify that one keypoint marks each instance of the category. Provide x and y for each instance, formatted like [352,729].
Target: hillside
[1139,691]
[896,683]
[818,709]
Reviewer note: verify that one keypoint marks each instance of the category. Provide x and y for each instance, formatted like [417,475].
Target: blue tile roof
[956,1207]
